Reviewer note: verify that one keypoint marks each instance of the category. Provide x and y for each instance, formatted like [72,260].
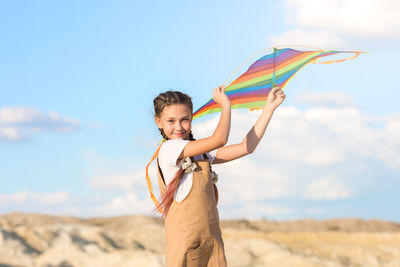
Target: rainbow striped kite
[251,89]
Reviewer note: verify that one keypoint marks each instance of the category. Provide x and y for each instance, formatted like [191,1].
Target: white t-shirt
[167,157]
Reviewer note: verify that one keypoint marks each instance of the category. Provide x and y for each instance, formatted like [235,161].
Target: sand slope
[43,240]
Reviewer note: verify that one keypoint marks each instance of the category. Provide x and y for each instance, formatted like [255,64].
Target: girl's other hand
[275,98]
[220,97]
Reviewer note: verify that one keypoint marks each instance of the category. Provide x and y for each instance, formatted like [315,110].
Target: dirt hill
[50,241]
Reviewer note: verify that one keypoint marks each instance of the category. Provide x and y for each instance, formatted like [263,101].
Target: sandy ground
[43,240]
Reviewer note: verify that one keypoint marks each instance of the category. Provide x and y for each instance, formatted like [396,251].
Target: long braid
[191,138]
[163,133]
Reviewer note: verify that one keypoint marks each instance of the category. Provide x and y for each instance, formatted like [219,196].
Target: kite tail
[339,60]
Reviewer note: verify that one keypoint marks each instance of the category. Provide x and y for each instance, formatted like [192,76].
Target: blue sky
[77,81]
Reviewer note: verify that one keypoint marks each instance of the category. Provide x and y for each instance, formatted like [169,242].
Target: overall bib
[192,232]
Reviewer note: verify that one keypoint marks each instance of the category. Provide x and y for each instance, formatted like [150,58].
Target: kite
[251,89]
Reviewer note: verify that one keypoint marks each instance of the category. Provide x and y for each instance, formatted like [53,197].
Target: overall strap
[206,157]
[215,186]
[160,171]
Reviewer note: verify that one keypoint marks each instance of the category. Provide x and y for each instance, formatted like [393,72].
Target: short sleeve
[171,150]
[211,155]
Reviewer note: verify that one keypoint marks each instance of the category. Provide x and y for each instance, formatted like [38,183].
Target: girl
[186,182]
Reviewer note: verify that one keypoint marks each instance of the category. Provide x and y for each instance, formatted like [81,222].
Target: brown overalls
[192,233]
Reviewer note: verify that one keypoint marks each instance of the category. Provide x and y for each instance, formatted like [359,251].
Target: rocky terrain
[50,241]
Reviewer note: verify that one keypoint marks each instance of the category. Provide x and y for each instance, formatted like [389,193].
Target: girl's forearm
[256,133]
[221,133]
[249,143]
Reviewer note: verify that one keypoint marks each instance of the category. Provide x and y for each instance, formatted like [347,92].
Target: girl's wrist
[269,109]
[226,105]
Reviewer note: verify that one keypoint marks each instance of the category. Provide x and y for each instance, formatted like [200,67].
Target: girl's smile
[176,121]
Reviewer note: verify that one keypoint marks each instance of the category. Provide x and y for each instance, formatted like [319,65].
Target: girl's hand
[220,97]
[275,98]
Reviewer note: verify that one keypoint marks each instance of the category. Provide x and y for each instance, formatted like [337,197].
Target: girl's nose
[178,126]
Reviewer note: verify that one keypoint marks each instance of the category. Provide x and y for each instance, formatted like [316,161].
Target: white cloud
[116,182]
[327,99]
[18,115]
[32,116]
[129,203]
[322,135]
[17,123]
[256,183]
[131,193]
[312,38]
[326,189]
[33,198]
[123,182]
[365,18]
[63,203]
[11,134]
[254,210]
[336,24]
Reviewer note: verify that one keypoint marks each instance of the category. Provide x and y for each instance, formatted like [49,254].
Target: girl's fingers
[220,89]
[274,92]
[276,89]
[218,93]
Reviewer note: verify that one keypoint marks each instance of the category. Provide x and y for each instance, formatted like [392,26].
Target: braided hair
[169,98]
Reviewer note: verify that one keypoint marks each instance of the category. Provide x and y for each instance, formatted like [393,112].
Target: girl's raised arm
[221,133]
[250,142]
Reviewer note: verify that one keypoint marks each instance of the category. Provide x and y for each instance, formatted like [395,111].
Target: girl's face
[176,121]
